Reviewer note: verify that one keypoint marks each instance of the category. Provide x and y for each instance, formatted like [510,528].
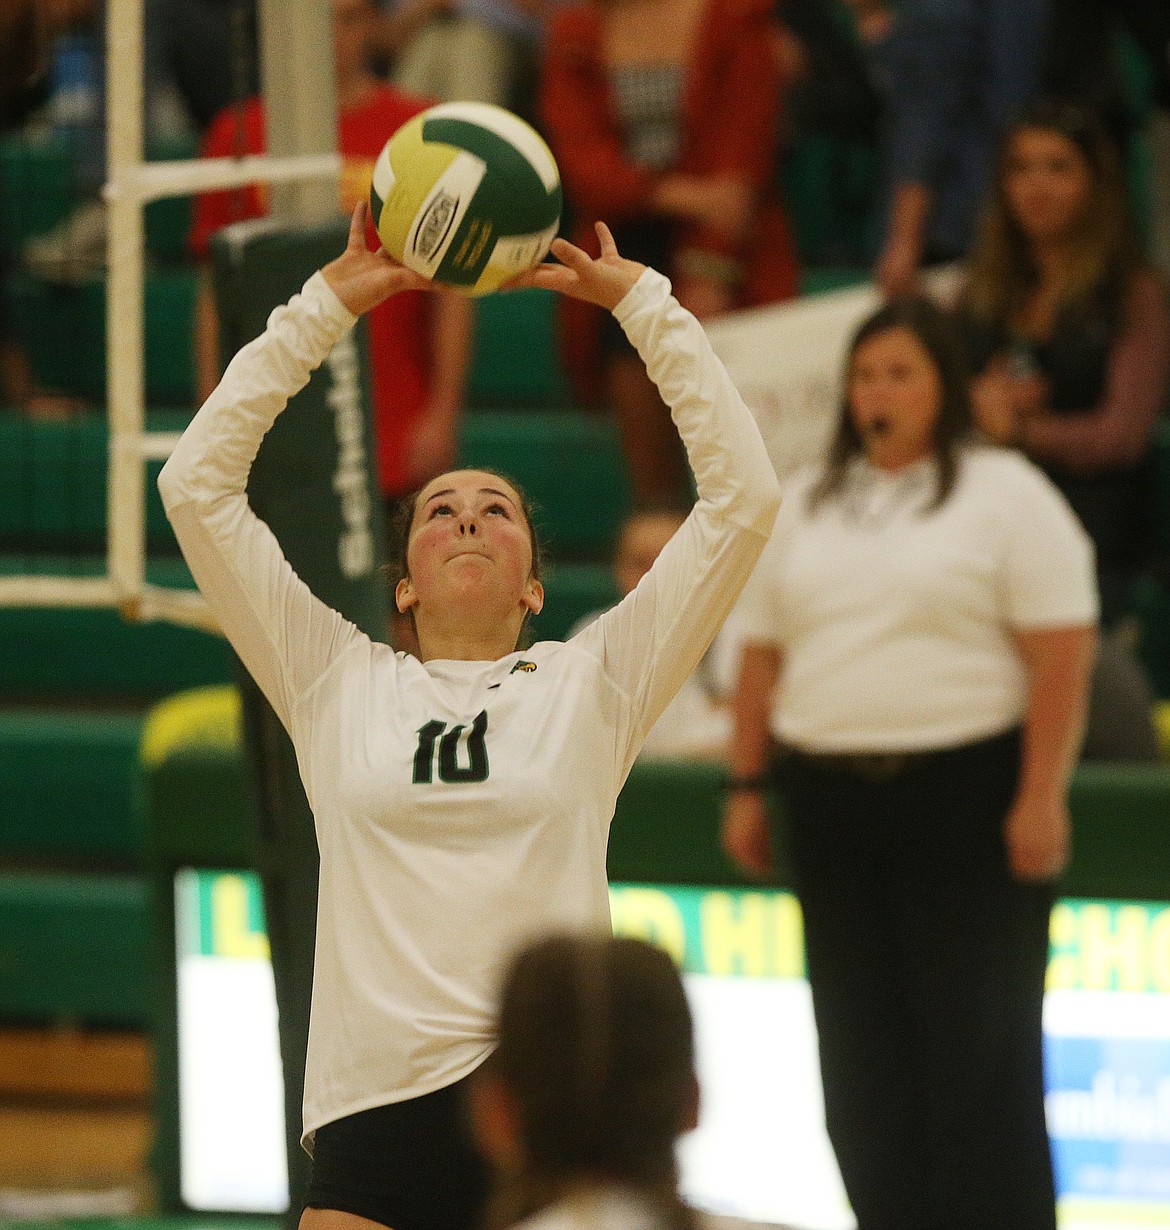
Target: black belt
[871,766]
[887,766]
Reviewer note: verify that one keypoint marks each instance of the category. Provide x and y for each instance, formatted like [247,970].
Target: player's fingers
[551,277]
[543,265]
[357,226]
[569,254]
[399,271]
[605,237]
[521,281]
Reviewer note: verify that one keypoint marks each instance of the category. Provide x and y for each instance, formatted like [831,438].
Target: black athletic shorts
[411,1165]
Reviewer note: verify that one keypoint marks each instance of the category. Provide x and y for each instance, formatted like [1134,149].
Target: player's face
[469,542]
[1047,182]
[895,393]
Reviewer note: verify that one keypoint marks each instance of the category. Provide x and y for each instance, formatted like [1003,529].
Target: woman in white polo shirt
[919,635]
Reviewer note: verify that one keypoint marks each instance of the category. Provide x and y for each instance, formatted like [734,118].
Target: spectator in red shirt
[663,117]
[419,345]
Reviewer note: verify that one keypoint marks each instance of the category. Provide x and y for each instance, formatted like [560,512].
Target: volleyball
[466,194]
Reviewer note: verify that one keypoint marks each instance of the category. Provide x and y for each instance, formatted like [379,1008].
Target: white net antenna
[302,165]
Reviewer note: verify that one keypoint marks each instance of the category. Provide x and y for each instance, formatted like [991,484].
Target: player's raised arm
[283,634]
[654,638]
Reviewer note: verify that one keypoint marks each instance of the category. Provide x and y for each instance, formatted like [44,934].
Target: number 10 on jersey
[437,742]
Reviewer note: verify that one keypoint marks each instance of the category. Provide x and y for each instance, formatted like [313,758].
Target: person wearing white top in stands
[462,798]
[697,722]
[919,636]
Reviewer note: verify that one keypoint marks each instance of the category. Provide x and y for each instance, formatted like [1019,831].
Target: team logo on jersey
[528,667]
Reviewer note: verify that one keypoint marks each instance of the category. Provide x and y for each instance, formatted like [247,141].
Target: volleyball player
[463,797]
[590,1087]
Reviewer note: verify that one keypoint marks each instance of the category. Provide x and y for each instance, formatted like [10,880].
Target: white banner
[787,361]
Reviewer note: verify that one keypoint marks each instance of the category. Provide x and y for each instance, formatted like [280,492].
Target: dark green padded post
[313,483]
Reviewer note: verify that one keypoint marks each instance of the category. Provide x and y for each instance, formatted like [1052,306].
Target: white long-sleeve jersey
[460,807]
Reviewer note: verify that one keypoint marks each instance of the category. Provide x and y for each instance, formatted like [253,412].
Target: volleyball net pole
[292,31]
[302,165]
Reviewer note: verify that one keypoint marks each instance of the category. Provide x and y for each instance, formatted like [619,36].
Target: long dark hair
[1002,268]
[936,333]
[596,1048]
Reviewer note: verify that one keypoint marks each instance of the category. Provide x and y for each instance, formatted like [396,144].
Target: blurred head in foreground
[593,1080]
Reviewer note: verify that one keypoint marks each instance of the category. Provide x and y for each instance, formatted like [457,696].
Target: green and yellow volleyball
[466,194]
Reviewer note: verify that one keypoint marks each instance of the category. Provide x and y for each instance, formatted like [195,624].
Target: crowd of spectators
[737,145]
[917,644]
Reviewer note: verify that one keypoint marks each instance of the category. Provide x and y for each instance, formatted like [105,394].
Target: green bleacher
[74,682]
[53,477]
[53,483]
[75,948]
[82,653]
[41,190]
[70,784]
[64,330]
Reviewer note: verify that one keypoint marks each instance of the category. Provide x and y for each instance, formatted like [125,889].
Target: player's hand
[747,838]
[362,279]
[605,280]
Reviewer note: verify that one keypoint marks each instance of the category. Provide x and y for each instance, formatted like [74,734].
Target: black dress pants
[926,961]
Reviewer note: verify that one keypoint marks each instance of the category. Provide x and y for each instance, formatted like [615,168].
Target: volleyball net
[295,31]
